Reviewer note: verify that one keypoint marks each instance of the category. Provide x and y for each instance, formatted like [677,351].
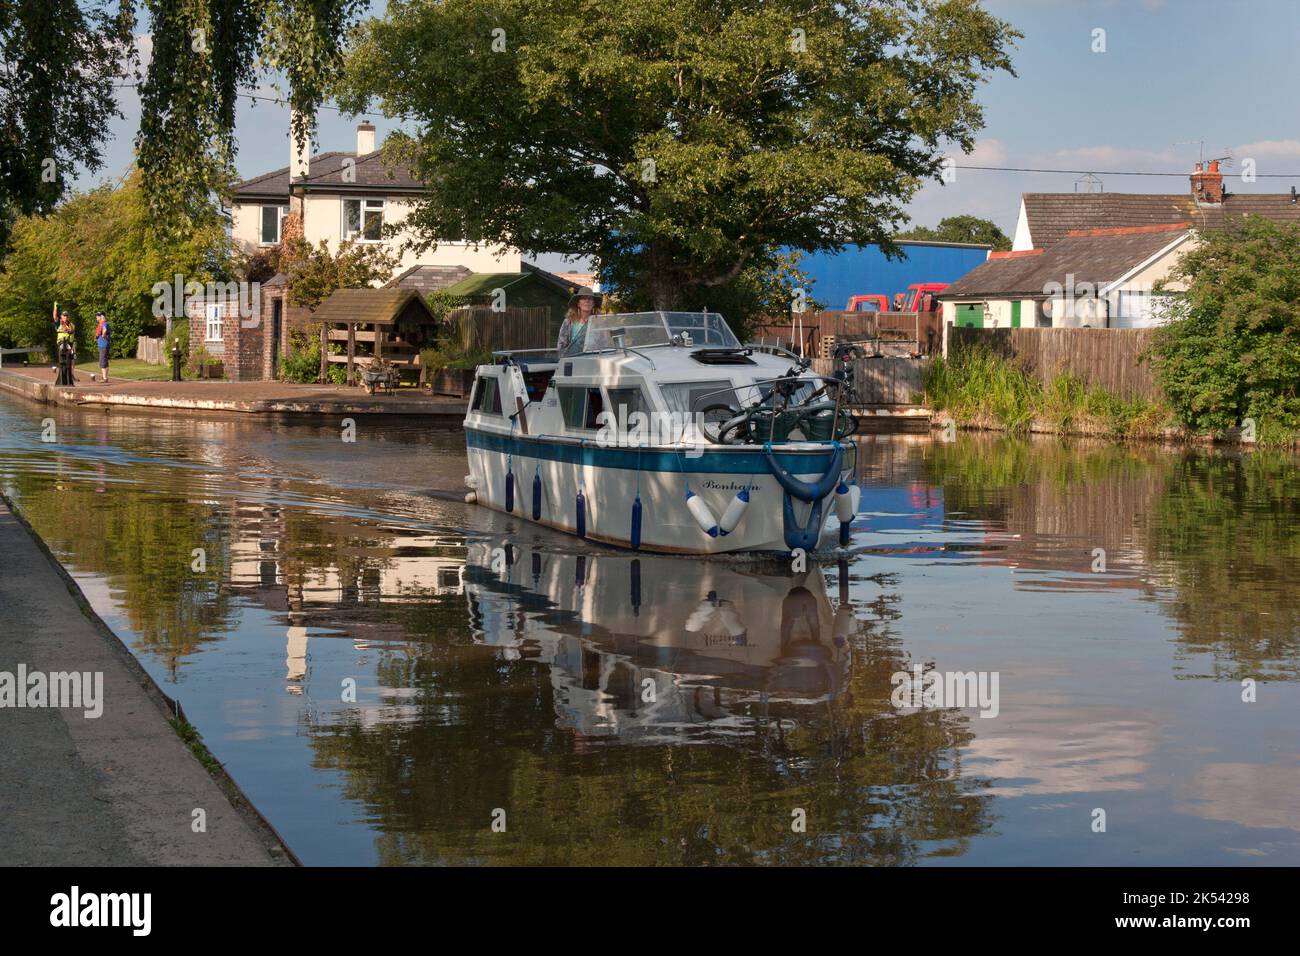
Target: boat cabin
[658,371]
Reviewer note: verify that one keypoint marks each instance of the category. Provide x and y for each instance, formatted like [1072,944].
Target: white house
[1092,259]
[348,195]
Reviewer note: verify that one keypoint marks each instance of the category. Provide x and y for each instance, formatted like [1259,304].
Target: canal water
[394,677]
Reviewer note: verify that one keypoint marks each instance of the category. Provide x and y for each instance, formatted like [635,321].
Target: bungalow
[1092,259]
[1047,218]
[1100,278]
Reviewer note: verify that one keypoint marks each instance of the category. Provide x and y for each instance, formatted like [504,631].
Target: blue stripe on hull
[714,462]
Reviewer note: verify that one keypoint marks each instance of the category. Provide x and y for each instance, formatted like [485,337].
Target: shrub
[448,356]
[302,362]
[179,335]
[1232,349]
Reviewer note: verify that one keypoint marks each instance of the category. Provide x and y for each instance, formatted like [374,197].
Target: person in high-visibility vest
[65,340]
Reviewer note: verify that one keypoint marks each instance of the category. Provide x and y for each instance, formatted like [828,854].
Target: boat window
[642,329]
[536,383]
[486,397]
[581,406]
[623,402]
[573,403]
[595,405]
[690,397]
[704,328]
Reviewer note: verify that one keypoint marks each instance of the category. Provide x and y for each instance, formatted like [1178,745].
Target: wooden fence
[1109,359]
[910,331]
[150,350]
[477,327]
[887,380]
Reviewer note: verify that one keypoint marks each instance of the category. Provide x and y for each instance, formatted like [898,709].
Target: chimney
[365,139]
[299,159]
[1207,185]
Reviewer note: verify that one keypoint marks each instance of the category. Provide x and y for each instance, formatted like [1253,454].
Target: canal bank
[116,789]
[273,399]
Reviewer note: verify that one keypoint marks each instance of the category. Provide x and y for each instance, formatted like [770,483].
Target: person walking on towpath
[102,336]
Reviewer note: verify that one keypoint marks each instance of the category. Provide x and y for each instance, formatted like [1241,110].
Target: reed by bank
[978,389]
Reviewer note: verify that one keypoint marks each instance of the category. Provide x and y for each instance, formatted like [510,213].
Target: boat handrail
[772,349]
[506,353]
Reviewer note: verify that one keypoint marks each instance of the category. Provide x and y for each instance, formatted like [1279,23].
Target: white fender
[700,616]
[734,513]
[702,514]
[855,490]
[844,504]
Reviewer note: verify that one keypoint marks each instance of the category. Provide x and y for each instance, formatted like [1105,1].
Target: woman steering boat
[661,432]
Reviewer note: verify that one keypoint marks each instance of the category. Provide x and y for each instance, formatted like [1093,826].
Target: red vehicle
[919,297]
[868,303]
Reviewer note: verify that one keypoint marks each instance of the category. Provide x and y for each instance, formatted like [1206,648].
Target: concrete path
[266,398]
[112,791]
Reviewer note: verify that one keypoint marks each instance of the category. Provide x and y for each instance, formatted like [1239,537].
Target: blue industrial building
[861,270]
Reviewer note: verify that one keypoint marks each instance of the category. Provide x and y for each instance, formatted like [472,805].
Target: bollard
[176,363]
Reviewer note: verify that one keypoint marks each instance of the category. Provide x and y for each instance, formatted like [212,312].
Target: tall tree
[59,60]
[962,229]
[204,53]
[676,140]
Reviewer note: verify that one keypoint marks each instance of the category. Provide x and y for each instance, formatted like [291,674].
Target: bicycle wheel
[721,423]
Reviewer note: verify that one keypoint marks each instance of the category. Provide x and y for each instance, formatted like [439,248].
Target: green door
[970,315]
[1015,314]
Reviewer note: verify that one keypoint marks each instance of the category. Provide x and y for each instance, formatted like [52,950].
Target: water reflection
[644,709]
[635,649]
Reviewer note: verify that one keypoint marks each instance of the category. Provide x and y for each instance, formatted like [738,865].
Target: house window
[213,333]
[272,224]
[363,219]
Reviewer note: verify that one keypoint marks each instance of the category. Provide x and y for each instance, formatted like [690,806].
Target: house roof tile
[375,306]
[429,278]
[327,171]
[1053,216]
[1097,259]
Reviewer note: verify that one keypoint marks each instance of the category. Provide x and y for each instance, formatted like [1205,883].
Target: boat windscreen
[643,329]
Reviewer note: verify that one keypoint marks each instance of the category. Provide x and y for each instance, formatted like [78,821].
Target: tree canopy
[962,229]
[98,251]
[204,53]
[678,141]
[59,60]
[1232,349]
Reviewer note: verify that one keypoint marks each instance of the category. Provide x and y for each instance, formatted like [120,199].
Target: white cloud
[987,152]
[1268,149]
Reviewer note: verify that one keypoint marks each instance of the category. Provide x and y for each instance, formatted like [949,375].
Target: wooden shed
[391,325]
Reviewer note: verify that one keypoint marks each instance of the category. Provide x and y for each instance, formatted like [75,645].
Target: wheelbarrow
[380,377]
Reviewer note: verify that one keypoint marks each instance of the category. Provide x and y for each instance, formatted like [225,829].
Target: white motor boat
[665,434]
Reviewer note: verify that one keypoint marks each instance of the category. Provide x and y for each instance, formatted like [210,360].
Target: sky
[1178,80]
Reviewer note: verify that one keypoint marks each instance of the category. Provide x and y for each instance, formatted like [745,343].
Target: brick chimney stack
[1207,185]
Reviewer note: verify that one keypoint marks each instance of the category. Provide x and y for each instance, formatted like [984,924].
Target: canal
[394,677]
